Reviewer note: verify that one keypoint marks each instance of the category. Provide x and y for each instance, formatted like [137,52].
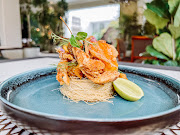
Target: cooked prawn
[98,63]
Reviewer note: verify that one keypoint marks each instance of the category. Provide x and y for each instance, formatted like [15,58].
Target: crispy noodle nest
[87,91]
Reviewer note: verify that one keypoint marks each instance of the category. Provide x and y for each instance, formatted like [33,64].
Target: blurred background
[129,25]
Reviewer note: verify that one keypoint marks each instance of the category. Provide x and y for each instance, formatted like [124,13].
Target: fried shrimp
[106,53]
[98,63]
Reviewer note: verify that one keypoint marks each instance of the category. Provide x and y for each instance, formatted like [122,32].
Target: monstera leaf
[173,6]
[177,17]
[160,7]
[175,31]
[155,53]
[163,44]
[156,20]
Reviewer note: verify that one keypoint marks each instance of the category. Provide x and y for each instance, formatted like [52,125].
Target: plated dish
[33,99]
[88,70]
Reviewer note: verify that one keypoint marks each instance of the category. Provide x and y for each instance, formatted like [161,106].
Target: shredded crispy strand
[87,91]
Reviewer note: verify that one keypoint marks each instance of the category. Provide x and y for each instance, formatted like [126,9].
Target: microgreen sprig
[69,64]
[55,37]
[74,41]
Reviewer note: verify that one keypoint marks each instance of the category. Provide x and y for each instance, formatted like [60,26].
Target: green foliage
[162,63]
[149,29]
[165,15]
[163,44]
[164,30]
[155,53]
[62,6]
[35,35]
[175,31]
[177,17]
[159,7]
[178,52]
[170,63]
[45,20]
[155,62]
[156,20]
[173,6]
[39,3]
[128,27]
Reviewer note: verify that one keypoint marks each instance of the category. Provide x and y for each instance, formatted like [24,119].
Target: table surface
[9,69]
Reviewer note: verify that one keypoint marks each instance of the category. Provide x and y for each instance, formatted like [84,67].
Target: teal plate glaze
[36,94]
[43,95]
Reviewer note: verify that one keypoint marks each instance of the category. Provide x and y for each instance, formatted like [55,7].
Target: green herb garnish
[81,35]
[69,64]
[74,41]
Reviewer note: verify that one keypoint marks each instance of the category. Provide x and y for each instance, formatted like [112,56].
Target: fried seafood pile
[95,60]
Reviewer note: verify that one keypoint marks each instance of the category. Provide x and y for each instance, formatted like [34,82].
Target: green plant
[128,27]
[165,16]
[148,29]
[43,20]
[48,20]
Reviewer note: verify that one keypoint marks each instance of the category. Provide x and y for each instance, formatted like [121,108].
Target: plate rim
[66,118]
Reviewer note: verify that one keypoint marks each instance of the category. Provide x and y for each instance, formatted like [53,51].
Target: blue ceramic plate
[33,98]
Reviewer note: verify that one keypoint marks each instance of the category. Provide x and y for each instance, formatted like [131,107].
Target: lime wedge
[127,89]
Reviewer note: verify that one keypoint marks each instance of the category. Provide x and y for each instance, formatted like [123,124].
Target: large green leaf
[170,63]
[163,44]
[175,31]
[178,52]
[177,17]
[156,20]
[155,53]
[160,7]
[173,6]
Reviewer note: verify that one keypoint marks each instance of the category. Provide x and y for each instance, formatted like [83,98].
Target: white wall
[10,27]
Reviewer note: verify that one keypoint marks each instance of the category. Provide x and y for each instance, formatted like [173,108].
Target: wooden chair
[138,45]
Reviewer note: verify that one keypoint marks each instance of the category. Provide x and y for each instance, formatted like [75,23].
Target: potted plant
[47,20]
[165,16]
